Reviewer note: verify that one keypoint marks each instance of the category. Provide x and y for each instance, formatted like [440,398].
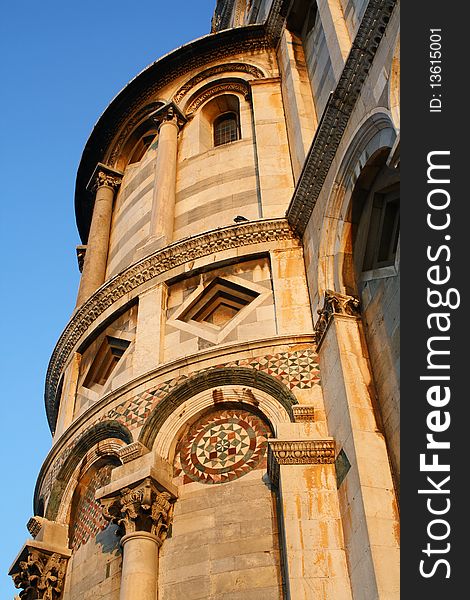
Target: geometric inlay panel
[89,520]
[221,447]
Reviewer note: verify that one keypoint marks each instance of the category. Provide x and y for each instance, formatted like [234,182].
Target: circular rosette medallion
[223,446]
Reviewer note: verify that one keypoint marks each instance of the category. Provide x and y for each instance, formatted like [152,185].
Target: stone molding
[217,70]
[302,452]
[334,304]
[337,112]
[104,176]
[224,87]
[131,452]
[39,573]
[178,253]
[142,507]
[303,413]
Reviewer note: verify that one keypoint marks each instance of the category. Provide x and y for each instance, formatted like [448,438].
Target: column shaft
[163,207]
[139,566]
[94,268]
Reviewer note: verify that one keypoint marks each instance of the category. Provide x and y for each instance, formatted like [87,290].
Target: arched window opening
[226,129]
[141,148]
[375,217]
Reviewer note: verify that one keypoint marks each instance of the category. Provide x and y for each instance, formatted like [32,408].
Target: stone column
[365,487]
[143,510]
[105,182]
[164,197]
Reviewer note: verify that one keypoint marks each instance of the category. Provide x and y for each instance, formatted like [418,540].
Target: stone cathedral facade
[224,399]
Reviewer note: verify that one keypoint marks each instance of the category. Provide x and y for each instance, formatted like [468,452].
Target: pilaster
[303,470]
[366,493]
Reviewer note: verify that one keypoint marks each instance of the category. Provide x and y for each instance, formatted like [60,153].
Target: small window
[383,231]
[225,129]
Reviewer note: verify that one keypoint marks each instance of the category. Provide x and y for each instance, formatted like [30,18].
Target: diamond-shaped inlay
[221,447]
[213,310]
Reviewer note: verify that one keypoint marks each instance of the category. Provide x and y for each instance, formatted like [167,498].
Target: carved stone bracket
[303,413]
[302,452]
[34,525]
[39,573]
[104,176]
[131,452]
[141,507]
[334,304]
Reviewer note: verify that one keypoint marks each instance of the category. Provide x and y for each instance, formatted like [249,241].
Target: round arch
[104,430]
[275,402]
[335,264]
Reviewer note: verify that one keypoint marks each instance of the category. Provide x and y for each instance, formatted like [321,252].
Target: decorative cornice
[337,112]
[303,452]
[142,507]
[217,70]
[104,176]
[303,413]
[179,253]
[226,86]
[39,573]
[334,304]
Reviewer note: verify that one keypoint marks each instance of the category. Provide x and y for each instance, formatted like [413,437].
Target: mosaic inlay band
[222,447]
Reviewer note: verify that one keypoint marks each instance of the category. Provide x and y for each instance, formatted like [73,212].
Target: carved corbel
[141,507]
[334,304]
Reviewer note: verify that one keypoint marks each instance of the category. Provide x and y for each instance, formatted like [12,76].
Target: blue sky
[62,63]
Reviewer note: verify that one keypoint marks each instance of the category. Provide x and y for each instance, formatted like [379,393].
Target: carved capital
[334,304]
[142,507]
[81,251]
[104,176]
[302,452]
[39,573]
[170,113]
[303,413]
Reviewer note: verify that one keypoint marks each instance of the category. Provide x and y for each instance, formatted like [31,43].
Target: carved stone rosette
[334,304]
[142,507]
[40,574]
[302,452]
